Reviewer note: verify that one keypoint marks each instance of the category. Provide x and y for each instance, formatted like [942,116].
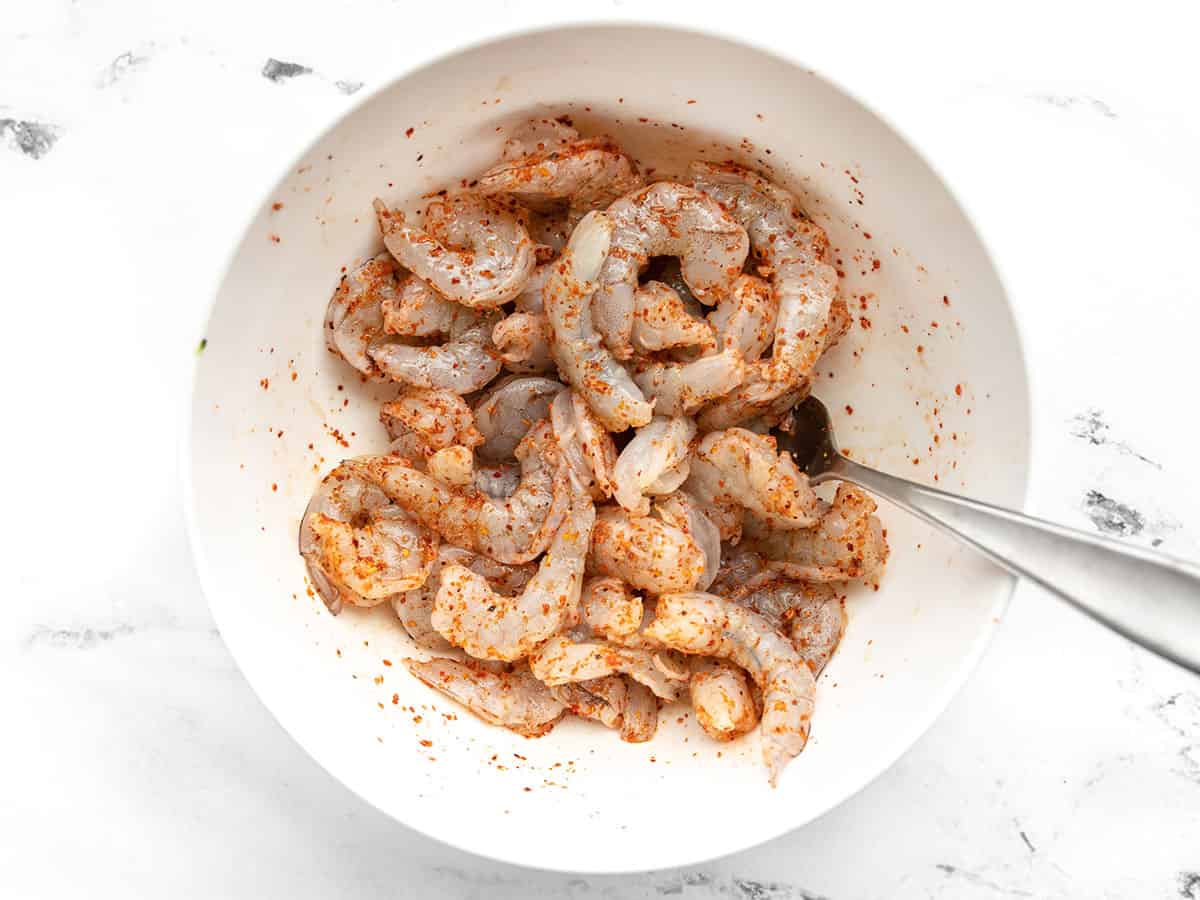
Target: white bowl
[272,411]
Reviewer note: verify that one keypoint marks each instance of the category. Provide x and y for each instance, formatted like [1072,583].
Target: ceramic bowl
[930,383]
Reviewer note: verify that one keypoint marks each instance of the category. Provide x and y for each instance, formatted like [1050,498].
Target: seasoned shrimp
[739,567]
[360,548]
[498,481]
[588,449]
[513,530]
[482,255]
[744,319]
[681,510]
[665,219]
[588,174]
[515,699]
[488,625]
[599,699]
[440,418]
[737,467]
[658,448]
[417,310]
[581,356]
[641,713]
[561,660]
[415,608]
[722,698]
[847,542]
[537,136]
[462,365]
[354,318]
[707,625]
[794,248]
[453,466]
[508,409]
[681,388]
[811,615]
[610,608]
[530,298]
[644,552]
[662,321]
[523,341]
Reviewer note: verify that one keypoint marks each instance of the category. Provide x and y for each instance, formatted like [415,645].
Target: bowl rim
[443,53]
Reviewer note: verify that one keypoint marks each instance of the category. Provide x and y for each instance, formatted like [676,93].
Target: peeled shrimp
[537,136]
[360,548]
[739,567]
[440,418]
[610,608]
[415,608]
[513,530]
[354,318]
[707,625]
[721,696]
[846,543]
[745,317]
[662,321]
[462,365]
[811,615]
[681,510]
[453,466]
[561,660]
[681,388]
[530,298]
[523,341]
[481,257]
[587,364]
[506,412]
[794,248]
[599,699]
[588,173]
[644,552]
[737,467]
[417,310]
[516,699]
[498,481]
[489,625]
[588,449]
[665,219]
[657,448]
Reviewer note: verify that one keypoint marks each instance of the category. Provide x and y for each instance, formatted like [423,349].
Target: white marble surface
[134,138]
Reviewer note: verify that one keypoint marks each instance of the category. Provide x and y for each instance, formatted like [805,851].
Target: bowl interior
[929,384]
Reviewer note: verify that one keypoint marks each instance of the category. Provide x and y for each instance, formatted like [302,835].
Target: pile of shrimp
[581,511]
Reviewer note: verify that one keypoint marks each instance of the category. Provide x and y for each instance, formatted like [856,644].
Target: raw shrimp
[354,318]
[417,310]
[488,625]
[561,660]
[737,467]
[641,713]
[745,317]
[513,530]
[588,174]
[662,321]
[360,547]
[588,449]
[482,255]
[523,341]
[681,510]
[415,608]
[846,543]
[581,356]
[516,699]
[644,552]
[610,608]
[665,219]
[452,466]
[738,567]
[722,698]
[498,481]
[681,388]
[440,418]
[537,136]
[707,625]
[530,298]
[599,699]
[796,251]
[811,615]
[659,447]
[507,410]
[462,365]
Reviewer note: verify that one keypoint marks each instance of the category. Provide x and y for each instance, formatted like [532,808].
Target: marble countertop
[135,137]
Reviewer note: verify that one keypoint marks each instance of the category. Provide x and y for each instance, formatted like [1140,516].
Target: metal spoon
[1149,597]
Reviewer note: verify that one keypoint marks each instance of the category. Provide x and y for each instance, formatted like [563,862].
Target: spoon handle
[1149,597]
